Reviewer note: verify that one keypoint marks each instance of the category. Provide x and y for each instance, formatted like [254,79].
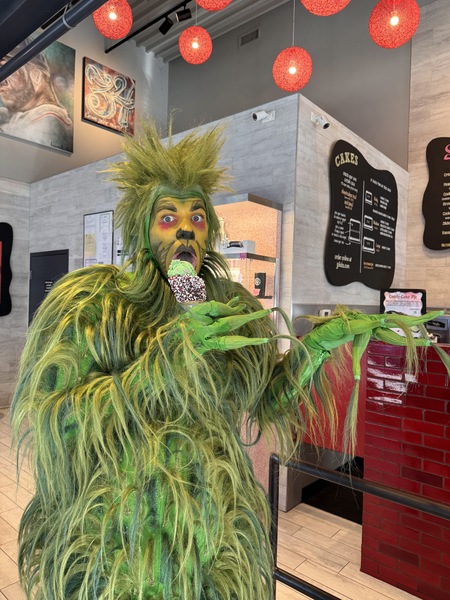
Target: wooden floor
[320,548]
[325,550]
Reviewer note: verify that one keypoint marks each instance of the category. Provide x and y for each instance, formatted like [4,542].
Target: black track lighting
[166,25]
[183,14]
[180,11]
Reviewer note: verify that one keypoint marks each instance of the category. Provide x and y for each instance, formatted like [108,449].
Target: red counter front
[407,447]
[342,383]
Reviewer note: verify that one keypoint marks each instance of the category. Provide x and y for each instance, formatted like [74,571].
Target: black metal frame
[375,489]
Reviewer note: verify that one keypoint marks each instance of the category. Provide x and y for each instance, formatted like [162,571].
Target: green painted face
[178,229]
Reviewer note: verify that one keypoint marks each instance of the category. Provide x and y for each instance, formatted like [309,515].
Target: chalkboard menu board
[360,243]
[436,199]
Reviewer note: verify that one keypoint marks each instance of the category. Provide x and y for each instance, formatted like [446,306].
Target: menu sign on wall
[436,199]
[360,243]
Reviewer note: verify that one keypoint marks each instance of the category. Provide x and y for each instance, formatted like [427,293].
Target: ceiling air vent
[251,36]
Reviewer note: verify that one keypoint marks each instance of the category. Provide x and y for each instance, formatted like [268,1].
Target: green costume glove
[207,322]
[358,328]
[344,326]
[352,326]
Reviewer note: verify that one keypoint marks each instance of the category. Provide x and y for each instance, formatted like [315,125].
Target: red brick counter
[407,447]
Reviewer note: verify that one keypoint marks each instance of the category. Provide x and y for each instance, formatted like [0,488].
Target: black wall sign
[6,240]
[436,199]
[360,243]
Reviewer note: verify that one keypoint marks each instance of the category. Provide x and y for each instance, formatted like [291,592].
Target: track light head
[183,14]
[166,25]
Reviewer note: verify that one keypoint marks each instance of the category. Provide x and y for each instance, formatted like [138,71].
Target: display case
[250,241]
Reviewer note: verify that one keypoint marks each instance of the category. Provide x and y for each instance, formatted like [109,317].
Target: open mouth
[186,254]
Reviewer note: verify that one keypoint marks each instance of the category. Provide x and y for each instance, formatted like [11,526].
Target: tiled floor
[320,548]
[13,500]
[325,550]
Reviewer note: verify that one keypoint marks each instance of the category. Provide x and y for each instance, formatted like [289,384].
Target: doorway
[45,270]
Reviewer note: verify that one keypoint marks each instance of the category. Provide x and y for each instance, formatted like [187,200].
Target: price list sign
[360,242]
[436,199]
[98,238]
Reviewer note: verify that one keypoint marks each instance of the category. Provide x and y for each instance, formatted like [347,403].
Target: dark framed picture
[36,101]
[6,240]
[108,98]
[406,301]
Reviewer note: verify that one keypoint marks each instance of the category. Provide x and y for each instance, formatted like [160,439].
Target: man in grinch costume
[133,403]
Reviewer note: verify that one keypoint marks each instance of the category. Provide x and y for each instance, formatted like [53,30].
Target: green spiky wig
[154,168]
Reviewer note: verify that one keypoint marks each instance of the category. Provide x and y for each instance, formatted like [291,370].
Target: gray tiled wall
[309,284]
[429,119]
[57,206]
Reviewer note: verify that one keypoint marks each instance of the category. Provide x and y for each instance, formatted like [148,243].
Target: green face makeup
[178,230]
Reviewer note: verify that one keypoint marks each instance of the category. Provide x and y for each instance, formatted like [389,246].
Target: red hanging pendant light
[195,45]
[394,22]
[213,4]
[114,19]
[324,8]
[292,69]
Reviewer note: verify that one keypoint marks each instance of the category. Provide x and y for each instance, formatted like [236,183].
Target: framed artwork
[108,98]
[36,101]
[6,240]
[98,238]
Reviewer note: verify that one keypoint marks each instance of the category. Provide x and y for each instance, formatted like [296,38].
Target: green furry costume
[143,486]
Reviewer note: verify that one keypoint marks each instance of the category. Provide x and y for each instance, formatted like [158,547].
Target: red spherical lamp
[394,22]
[324,8]
[292,69]
[213,4]
[114,19]
[195,45]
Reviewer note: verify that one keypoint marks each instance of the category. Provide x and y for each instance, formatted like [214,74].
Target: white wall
[25,162]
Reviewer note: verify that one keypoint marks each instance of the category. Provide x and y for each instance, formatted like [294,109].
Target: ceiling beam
[68,21]
[18,20]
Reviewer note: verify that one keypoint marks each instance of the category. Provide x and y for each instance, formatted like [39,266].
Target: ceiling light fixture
[195,45]
[213,4]
[114,19]
[184,14]
[324,8]
[394,22]
[292,68]
[166,25]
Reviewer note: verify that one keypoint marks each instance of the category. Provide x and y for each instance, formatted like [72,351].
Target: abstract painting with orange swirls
[108,97]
